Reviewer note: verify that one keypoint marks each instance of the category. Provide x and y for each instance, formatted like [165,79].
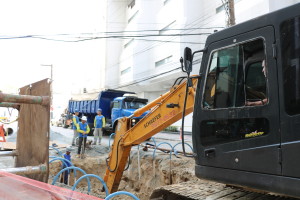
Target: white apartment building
[155,32]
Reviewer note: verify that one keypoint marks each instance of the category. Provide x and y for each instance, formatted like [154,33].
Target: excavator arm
[164,111]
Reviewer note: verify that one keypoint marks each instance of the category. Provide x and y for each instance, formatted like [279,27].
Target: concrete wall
[115,22]
[277,4]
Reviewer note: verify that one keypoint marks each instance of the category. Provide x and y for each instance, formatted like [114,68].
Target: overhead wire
[108,32]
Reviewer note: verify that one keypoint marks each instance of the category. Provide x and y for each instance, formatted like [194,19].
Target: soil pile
[153,173]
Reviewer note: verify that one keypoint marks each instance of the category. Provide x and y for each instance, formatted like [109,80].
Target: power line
[158,44]
[110,32]
[104,37]
[167,41]
[173,29]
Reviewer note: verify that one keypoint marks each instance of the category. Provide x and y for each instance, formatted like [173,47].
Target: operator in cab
[264,100]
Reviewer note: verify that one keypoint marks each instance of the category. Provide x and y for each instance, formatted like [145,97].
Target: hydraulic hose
[58,151]
[117,158]
[154,141]
[74,168]
[174,150]
[183,115]
[121,193]
[153,156]
[170,178]
[65,161]
[110,136]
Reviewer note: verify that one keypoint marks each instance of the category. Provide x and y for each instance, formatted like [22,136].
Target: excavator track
[208,191]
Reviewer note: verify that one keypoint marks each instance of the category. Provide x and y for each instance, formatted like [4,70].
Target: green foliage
[171,129]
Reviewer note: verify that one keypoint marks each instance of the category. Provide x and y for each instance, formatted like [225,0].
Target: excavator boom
[165,110]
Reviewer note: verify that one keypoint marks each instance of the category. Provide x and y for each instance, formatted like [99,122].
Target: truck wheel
[107,132]
[9,131]
[66,126]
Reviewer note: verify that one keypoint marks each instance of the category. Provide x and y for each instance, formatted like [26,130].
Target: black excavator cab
[246,121]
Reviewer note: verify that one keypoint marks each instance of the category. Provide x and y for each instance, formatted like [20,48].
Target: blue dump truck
[115,104]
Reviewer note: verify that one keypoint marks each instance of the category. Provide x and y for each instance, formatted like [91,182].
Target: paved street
[64,136]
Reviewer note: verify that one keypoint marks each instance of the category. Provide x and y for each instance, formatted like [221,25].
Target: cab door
[290,98]
[236,118]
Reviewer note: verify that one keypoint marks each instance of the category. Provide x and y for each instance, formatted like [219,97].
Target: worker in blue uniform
[83,130]
[67,156]
[75,121]
[99,124]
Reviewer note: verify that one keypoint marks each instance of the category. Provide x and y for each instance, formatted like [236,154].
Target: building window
[125,71]
[166,28]
[166,2]
[128,43]
[290,40]
[131,4]
[220,8]
[132,17]
[163,61]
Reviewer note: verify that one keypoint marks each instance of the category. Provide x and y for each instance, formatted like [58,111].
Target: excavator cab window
[237,77]
[255,81]
[290,40]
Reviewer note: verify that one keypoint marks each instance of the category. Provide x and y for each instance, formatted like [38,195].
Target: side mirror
[188,60]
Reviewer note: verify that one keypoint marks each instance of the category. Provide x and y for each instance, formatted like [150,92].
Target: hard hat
[76,110]
[99,109]
[84,118]
[69,149]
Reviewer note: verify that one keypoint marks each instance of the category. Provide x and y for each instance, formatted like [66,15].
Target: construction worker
[75,122]
[99,123]
[83,130]
[67,156]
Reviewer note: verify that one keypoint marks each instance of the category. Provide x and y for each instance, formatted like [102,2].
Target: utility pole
[231,17]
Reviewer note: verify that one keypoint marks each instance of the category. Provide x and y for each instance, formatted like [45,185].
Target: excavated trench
[152,173]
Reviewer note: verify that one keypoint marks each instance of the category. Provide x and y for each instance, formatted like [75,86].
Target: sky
[21,59]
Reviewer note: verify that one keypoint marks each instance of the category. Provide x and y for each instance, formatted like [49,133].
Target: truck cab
[115,104]
[125,107]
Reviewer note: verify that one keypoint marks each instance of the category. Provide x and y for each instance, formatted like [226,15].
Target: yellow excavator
[246,109]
